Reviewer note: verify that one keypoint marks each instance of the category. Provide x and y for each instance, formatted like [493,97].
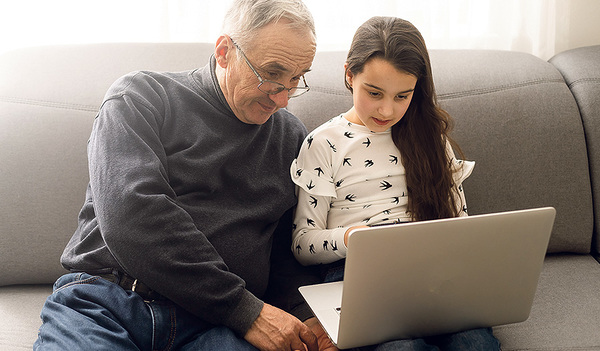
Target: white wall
[578,24]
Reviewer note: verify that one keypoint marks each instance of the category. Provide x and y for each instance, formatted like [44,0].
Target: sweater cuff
[302,312]
[244,314]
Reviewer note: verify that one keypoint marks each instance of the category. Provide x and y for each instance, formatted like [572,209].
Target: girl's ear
[222,48]
[349,75]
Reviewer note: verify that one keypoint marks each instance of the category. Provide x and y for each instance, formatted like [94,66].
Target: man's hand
[276,330]
[325,343]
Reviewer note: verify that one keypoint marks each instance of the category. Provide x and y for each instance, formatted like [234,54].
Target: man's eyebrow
[378,88]
[277,67]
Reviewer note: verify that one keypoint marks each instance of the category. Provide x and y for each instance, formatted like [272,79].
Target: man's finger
[309,339]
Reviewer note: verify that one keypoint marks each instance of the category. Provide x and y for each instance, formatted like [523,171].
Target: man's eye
[272,75]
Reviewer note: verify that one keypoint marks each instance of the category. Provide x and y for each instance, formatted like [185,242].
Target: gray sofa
[532,126]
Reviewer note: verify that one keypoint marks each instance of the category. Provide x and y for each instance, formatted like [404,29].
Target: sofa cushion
[581,69]
[565,309]
[20,307]
[514,116]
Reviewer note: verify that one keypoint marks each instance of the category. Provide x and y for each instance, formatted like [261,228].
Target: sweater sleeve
[147,232]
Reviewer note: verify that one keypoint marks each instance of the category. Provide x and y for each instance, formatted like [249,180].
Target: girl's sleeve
[461,170]
[312,172]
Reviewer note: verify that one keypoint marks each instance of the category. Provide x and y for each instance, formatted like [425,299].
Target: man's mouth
[268,108]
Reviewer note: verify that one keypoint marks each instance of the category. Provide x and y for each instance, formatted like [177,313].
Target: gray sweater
[185,197]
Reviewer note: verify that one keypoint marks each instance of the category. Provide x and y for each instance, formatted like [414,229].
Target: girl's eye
[374,94]
[402,97]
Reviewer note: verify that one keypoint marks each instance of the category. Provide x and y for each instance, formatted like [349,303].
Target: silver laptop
[434,277]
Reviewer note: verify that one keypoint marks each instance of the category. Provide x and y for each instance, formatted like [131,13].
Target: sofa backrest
[581,69]
[515,117]
[49,97]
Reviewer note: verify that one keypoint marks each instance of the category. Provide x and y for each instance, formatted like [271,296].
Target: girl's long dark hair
[421,135]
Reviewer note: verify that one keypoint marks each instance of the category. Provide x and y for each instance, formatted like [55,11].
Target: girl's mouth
[380,121]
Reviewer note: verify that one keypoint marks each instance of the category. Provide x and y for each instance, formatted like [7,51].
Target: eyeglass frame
[280,87]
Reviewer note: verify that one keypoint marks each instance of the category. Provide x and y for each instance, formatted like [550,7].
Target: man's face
[278,53]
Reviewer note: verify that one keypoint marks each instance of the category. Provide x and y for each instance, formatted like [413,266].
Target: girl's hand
[351,229]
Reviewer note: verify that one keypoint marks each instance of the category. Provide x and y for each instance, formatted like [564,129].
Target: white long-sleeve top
[346,176]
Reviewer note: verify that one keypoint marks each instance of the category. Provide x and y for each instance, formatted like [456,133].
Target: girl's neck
[351,116]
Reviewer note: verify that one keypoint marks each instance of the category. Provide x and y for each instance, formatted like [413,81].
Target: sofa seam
[330,91]
[46,103]
[473,92]
[499,88]
[583,81]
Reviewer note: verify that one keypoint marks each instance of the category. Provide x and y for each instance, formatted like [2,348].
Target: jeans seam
[78,282]
[172,333]
[173,328]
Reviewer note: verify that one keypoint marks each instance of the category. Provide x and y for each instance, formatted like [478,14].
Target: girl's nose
[386,109]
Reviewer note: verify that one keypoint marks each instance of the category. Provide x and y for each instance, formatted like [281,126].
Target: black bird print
[331,146]
[367,142]
[351,197]
[339,183]
[312,249]
[326,245]
[349,135]
[309,141]
[396,200]
[313,201]
[319,171]
[333,246]
[299,172]
[310,222]
[347,161]
[394,159]
[310,185]
[298,249]
[369,163]
[385,185]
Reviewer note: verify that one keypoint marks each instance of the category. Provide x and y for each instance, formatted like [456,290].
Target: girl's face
[381,95]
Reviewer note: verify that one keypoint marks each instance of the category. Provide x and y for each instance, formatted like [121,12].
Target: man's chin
[257,119]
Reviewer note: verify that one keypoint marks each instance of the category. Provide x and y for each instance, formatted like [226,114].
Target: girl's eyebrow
[378,88]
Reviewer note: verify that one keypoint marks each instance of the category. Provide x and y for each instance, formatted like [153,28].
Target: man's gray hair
[245,17]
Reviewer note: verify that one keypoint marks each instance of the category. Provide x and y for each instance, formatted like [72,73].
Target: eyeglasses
[271,88]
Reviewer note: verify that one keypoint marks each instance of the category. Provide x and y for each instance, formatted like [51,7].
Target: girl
[388,159]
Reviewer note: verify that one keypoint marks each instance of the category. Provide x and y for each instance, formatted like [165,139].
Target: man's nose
[281,99]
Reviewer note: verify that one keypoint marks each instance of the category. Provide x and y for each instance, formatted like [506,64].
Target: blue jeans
[477,339]
[88,312]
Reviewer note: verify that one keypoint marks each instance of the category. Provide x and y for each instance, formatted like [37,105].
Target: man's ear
[222,48]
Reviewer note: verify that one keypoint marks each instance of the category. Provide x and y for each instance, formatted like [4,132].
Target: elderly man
[189,196]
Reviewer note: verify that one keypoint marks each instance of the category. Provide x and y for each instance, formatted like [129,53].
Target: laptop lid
[435,277]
